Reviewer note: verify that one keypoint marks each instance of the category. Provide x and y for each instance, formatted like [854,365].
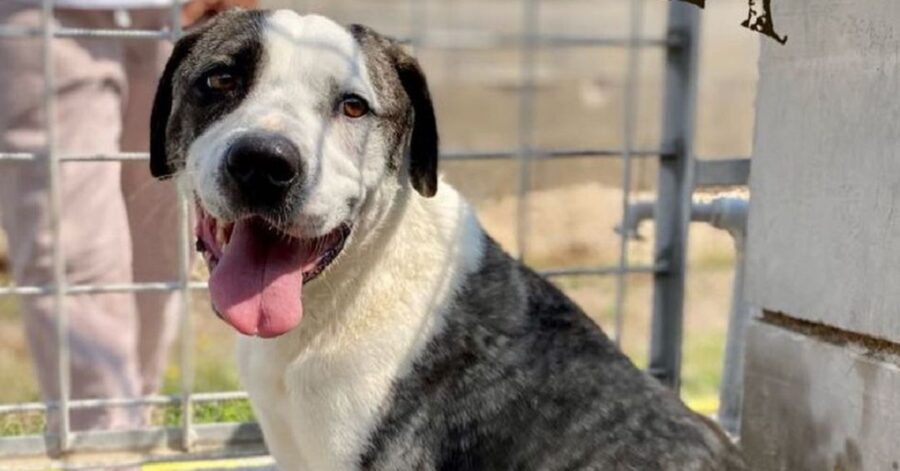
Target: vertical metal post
[186,352]
[674,189]
[186,347]
[59,270]
[731,389]
[530,17]
[629,112]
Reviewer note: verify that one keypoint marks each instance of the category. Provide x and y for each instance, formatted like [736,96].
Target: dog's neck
[365,323]
[414,253]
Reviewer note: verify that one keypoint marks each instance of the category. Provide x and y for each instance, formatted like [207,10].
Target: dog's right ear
[161,164]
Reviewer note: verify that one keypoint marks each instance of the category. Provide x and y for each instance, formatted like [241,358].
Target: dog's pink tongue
[257,283]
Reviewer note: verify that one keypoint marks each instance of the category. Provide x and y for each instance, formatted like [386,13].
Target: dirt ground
[576,203]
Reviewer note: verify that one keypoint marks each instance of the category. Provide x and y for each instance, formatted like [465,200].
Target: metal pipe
[636,213]
[731,388]
[674,190]
[729,214]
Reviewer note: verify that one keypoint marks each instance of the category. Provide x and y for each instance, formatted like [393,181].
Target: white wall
[824,240]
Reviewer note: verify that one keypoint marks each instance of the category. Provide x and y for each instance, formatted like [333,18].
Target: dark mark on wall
[759,18]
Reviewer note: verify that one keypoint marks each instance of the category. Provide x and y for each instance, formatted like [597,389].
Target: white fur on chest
[320,391]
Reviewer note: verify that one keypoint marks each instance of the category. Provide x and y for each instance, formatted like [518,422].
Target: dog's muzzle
[263,168]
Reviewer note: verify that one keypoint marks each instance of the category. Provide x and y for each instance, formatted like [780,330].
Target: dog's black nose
[264,166]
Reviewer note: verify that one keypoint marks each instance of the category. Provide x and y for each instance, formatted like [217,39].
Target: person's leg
[94,229]
[152,205]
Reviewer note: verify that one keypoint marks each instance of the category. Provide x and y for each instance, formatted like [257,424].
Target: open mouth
[257,270]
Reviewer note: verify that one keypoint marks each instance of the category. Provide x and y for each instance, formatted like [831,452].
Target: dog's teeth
[220,236]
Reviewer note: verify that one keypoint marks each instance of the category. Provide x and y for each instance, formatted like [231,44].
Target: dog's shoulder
[521,378]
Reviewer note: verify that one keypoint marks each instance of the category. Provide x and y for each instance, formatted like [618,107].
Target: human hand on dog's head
[198,11]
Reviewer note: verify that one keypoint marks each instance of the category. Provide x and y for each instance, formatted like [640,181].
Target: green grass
[21,424]
[207,413]
[702,367]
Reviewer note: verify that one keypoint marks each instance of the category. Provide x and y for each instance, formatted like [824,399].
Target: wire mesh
[221,438]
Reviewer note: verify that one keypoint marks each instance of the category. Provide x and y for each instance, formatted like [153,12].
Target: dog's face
[286,127]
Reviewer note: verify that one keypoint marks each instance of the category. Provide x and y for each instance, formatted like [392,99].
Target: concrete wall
[822,389]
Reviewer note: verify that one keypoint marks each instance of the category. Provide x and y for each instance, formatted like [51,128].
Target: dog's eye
[354,106]
[221,82]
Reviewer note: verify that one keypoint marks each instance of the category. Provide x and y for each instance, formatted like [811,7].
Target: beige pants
[117,224]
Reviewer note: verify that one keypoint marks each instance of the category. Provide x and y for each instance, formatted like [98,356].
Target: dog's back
[520,378]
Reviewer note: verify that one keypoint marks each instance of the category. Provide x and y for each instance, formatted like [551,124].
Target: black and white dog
[384,329]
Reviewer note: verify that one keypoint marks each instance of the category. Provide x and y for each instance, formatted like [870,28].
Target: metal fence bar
[482,41]
[186,344]
[543,154]
[220,435]
[526,121]
[674,188]
[496,154]
[599,271]
[629,112]
[55,213]
[202,285]
[157,400]
[102,288]
[493,40]
[186,357]
[9,31]
[117,157]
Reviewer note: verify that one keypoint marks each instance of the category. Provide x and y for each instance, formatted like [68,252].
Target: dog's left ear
[161,165]
[423,148]
[424,144]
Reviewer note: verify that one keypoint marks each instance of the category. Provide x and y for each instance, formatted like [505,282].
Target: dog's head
[288,129]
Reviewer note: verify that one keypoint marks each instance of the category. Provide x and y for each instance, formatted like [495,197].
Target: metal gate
[675,183]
